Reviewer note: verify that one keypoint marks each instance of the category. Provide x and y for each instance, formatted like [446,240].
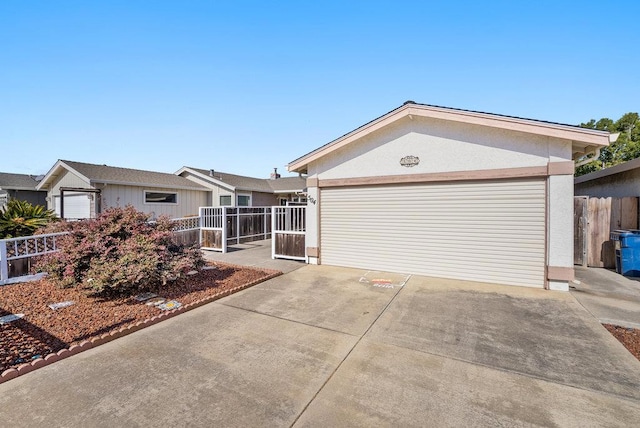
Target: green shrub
[120,252]
[20,218]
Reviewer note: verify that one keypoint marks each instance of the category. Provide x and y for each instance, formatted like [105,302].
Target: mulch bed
[43,330]
[629,337]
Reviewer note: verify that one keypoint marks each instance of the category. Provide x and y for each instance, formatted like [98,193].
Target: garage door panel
[481,231]
[76,205]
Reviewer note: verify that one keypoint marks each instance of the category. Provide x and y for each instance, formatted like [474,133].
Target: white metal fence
[185,223]
[14,249]
[215,229]
[15,253]
[221,226]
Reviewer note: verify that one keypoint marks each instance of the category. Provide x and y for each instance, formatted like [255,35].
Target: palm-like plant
[20,218]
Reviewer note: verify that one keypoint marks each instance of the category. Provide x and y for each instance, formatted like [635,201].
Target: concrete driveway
[318,347]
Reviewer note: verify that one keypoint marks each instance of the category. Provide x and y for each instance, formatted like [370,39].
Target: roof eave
[616,169]
[28,189]
[152,185]
[205,177]
[60,164]
[586,136]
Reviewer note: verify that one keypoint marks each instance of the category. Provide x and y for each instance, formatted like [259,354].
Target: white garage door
[489,231]
[76,205]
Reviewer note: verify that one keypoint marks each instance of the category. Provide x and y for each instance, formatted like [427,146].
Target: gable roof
[622,167]
[242,182]
[93,174]
[584,140]
[10,181]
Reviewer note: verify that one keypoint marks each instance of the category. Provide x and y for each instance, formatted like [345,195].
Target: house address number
[410,161]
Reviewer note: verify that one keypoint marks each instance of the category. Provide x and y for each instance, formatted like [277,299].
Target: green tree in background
[626,148]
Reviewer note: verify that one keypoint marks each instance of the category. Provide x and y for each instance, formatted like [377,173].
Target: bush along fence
[16,253]
[213,229]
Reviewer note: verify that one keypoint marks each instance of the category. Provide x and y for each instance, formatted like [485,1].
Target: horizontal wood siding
[188,200]
[489,231]
[260,199]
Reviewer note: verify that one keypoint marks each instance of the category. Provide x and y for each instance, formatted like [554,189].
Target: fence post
[264,213]
[273,232]
[237,225]
[4,265]
[224,229]
[200,224]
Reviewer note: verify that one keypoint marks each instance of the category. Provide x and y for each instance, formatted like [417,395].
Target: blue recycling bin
[628,253]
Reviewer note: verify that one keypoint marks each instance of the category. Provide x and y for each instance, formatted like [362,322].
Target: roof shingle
[117,175]
[265,185]
[17,181]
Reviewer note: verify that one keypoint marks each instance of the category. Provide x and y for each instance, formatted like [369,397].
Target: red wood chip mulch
[629,337]
[43,330]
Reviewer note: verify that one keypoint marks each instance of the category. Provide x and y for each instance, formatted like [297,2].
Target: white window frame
[225,196]
[144,196]
[248,195]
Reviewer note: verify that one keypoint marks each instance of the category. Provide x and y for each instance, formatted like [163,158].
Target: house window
[244,200]
[160,197]
[225,200]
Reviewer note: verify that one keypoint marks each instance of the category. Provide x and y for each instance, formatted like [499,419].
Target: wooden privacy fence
[594,219]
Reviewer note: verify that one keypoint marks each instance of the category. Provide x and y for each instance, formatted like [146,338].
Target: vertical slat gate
[288,228]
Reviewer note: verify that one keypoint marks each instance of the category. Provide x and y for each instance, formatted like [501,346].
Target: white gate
[288,228]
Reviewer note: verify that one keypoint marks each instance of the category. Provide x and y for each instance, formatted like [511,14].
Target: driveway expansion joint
[510,371]
[253,311]
[346,356]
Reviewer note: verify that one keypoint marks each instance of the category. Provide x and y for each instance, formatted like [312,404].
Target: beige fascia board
[529,126]
[590,136]
[387,119]
[614,137]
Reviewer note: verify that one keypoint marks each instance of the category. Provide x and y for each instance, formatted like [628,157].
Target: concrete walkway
[320,347]
[256,254]
[609,297]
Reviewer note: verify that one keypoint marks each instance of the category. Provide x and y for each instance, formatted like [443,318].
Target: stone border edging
[25,368]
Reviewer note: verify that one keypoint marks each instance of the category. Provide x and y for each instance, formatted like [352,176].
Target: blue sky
[243,87]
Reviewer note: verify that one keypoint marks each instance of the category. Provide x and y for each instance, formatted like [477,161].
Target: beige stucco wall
[188,200]
[444,146]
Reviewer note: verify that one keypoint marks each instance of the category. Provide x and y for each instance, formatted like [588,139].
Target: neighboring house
[22,187]
[78,190]
[238,190]
[617,181]
[448,193]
